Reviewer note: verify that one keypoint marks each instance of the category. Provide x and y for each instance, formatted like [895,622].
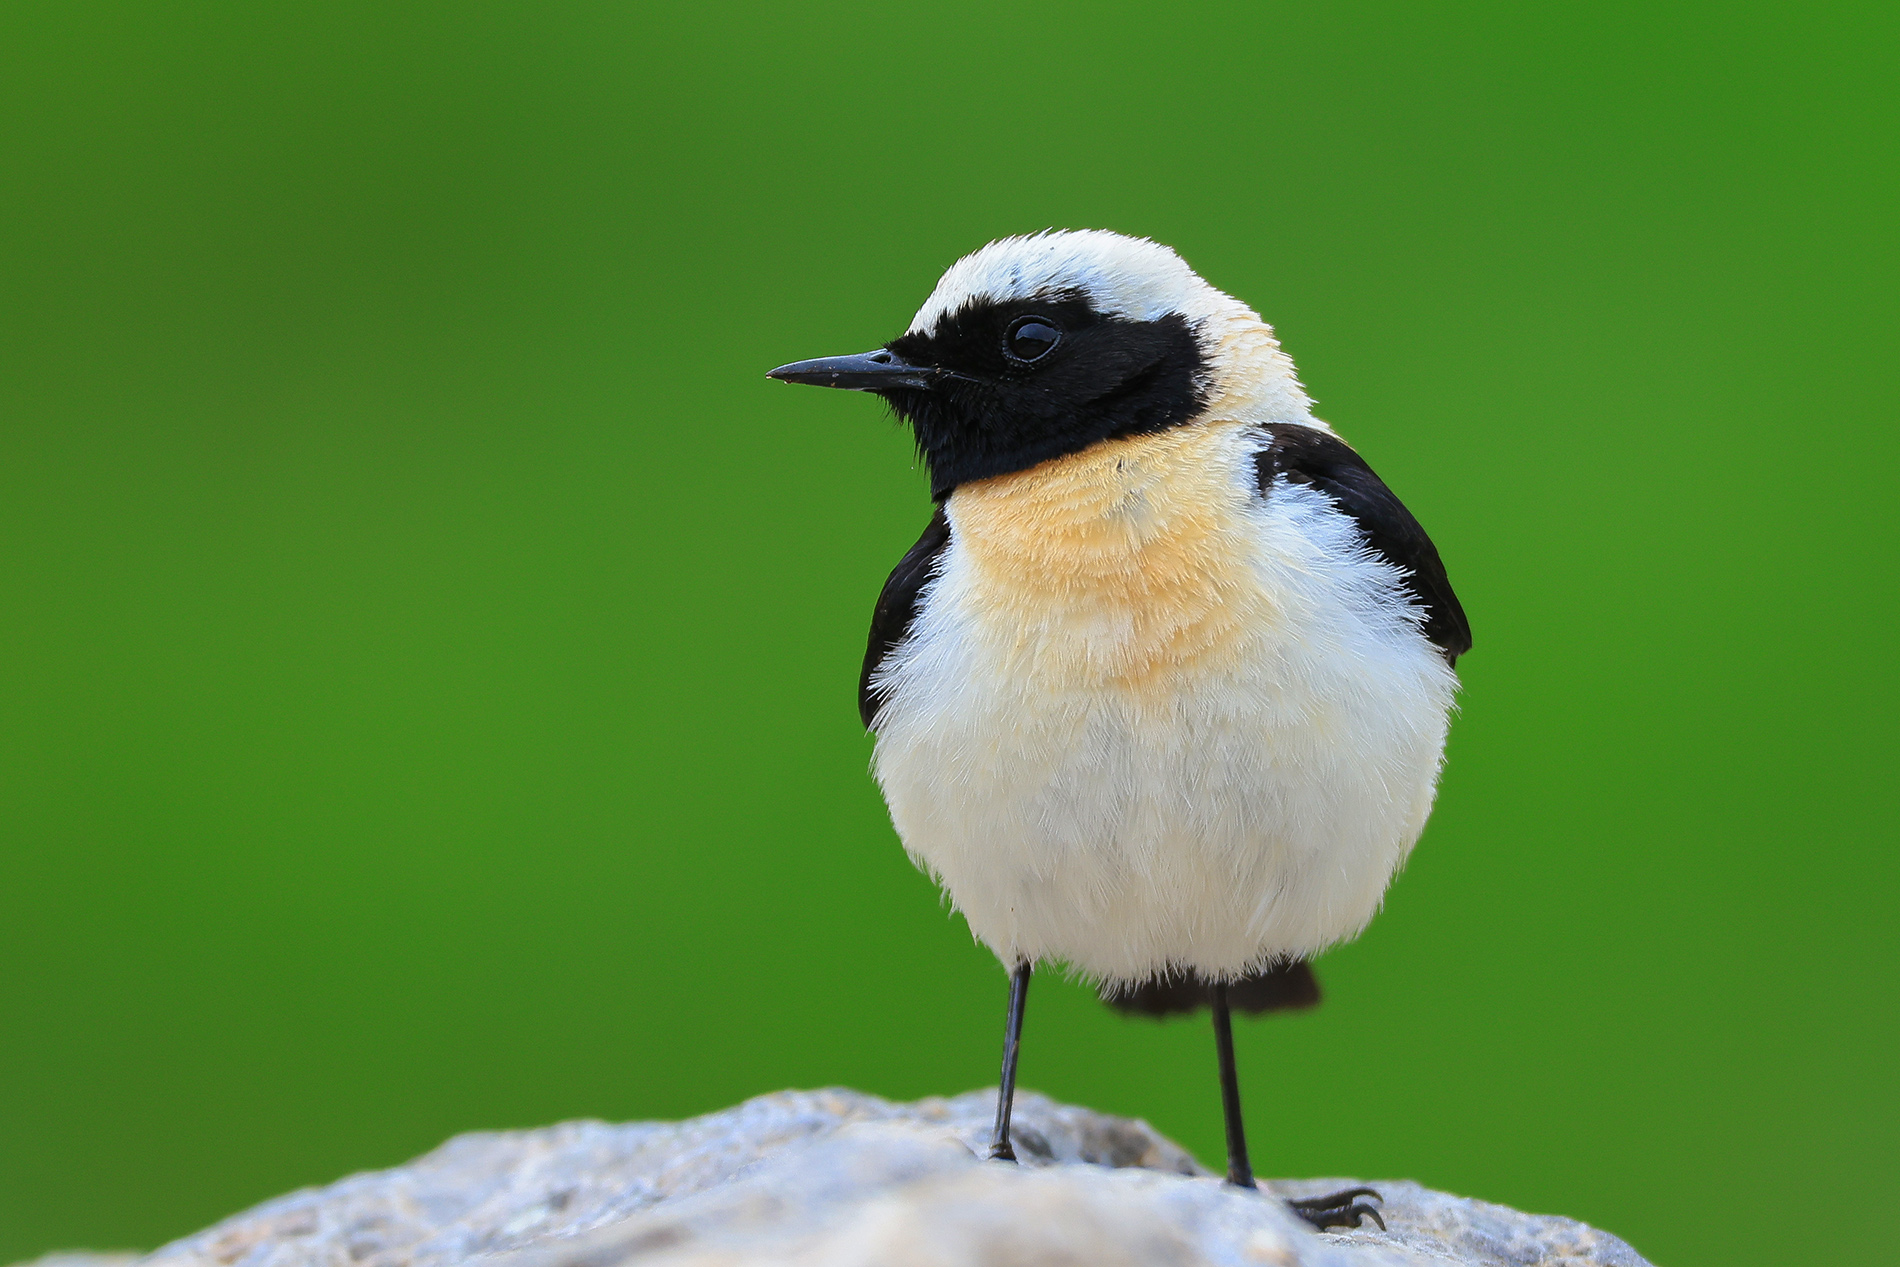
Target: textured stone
[841,1179]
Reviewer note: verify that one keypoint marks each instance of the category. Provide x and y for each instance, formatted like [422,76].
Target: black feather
[1109,376]
[1305,455]
[897,607]
[1283,987]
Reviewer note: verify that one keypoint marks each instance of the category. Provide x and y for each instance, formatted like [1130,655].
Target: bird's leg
[1337,1209]
[1239,1172]
[1000,1149]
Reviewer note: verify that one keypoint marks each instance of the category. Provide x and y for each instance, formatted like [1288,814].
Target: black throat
[993,414]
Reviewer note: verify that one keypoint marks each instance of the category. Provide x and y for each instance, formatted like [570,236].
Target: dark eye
[1030,338]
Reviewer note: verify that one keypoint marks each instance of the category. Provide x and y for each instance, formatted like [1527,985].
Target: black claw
[1335,1198]
[1338,1209]
[1001,1151]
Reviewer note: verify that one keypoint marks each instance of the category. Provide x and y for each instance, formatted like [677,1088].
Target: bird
[1162,692]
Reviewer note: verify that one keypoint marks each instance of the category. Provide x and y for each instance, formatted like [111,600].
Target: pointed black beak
[866,372]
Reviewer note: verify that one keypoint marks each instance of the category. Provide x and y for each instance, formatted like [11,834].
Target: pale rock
[842,1179]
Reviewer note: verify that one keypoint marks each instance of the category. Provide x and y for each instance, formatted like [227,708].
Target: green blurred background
[428,644]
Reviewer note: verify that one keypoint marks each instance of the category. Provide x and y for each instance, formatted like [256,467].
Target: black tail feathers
[1284,987]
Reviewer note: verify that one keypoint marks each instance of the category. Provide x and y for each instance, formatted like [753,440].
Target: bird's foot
[1338,1209]
[1001,1151]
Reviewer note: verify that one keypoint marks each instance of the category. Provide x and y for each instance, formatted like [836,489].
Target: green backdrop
[428,644]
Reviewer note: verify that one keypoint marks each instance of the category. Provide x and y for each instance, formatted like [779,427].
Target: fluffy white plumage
[1145,719]
[1128,277]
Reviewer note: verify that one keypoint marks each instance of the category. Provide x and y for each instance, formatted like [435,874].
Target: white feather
[1123,276]
[1250,807]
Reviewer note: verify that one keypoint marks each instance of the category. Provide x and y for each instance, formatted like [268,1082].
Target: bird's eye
[1031,337]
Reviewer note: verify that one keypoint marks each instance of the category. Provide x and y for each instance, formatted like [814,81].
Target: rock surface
[842,1179]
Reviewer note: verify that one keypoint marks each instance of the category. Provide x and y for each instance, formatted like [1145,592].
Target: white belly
[1146,720]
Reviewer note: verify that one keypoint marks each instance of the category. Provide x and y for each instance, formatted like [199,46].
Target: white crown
[1123,276]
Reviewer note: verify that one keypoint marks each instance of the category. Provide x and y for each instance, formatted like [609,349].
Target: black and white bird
[1161,693]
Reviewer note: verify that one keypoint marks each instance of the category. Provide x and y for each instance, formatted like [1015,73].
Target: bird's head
[1037,347]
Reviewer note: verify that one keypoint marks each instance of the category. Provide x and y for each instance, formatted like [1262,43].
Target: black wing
[896,606]
[1325,462]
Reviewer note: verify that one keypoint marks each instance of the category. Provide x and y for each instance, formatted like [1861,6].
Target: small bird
[1161,693]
